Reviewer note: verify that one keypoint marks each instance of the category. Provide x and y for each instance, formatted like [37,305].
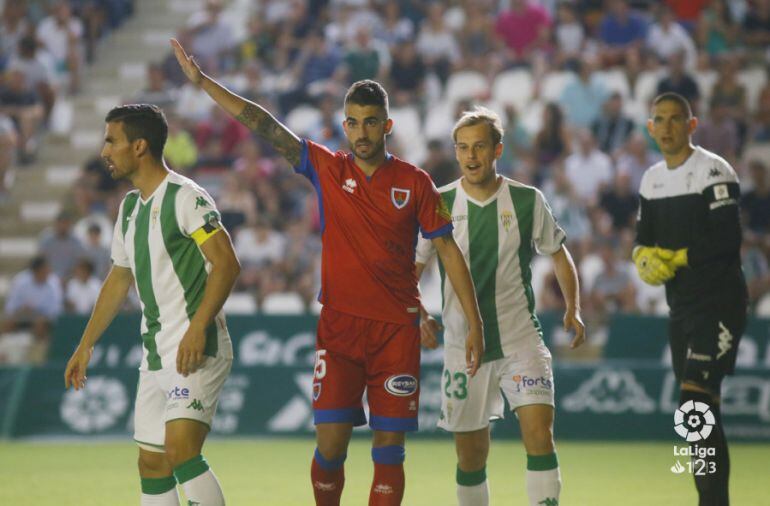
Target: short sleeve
[118,252]
[433,214]
[425,251]
[313,158]
[547,235]
[197,214]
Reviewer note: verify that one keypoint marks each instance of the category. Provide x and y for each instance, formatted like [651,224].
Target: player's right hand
[189,66]
[474,350]
[75,373]
[651,268]
[429,329]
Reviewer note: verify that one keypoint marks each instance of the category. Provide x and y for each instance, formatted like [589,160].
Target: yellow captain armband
[206,232]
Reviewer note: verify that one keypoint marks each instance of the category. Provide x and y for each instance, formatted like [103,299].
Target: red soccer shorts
[355,353]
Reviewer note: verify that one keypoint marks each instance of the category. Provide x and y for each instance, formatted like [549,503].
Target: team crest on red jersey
[399,197]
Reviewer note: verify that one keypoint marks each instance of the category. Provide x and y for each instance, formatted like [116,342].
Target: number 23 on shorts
[455,385]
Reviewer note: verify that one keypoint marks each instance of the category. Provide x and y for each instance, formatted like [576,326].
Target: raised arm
[253,116]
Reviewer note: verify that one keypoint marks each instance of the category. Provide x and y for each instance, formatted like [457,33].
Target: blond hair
[478,115]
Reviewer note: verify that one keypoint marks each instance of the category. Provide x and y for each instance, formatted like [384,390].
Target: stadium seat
[467,84]
[646,87]
[762,309]
[513,87]
[240,303]
[753,80]
[532,117]
[705,80]
[283,303]
[302,119]
[407,132]
[439,121]
[614,80]
[553,84]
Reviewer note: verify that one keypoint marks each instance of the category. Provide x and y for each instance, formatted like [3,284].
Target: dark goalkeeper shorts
[704,344]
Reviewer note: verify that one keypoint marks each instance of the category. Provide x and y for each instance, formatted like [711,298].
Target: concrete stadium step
[18,247]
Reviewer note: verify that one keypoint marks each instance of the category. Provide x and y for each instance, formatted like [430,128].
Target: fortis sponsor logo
[529,382]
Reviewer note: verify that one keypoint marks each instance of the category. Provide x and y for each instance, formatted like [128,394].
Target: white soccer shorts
[468,404]
[166,395]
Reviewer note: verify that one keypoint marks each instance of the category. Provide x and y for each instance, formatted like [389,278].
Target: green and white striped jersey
[154,238]
[498,238]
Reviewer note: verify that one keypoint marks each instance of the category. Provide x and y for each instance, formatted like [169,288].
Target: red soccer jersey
[369,229]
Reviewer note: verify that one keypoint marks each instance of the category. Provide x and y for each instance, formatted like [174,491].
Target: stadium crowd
[572,79]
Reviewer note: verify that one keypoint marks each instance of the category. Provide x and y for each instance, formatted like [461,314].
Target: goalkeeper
[689,238]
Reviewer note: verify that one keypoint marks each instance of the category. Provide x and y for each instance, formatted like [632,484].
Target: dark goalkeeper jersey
[695,206]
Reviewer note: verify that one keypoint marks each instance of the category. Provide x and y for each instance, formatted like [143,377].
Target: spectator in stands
[516,143]
[60,247]
[13,27]
[407,74]
[756,271]
[570,37]
[679,81]
[96,253]
[37,74]
[635,157]
[755,203]
[613,289]
[34,300]
[583,96]
[439,164]
[476,39]
[180,151]
[157,91]
[8,148]
[687,12]
[759,129]
[211,37]
[567,207]
[314,72]
[258,247]
[620,202]
[716,33]
[756,25]
[719,132]
[61,35]
[666,37]
[622,33]
[253,163]
[366,57]
[26,110]
[328,130]
[237,203]
[523,30]
[218,137]
[612,128]
[82,289]
[588,169]
[552,143]
[394,28]
[731,93]
[437,45]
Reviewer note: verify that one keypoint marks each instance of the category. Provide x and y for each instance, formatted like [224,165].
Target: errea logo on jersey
[350,185]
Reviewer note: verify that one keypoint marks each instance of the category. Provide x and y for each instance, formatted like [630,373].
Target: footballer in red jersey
[373,206]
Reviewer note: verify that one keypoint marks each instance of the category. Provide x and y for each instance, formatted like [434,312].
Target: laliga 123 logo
[694,421]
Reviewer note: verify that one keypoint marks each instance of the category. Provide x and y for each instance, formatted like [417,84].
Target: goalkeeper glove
[651,268]
[673,258]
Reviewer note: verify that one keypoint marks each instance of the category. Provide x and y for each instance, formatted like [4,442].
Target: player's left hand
[474,350]
[673,258]
[573,321]
[189,356]
[429,329]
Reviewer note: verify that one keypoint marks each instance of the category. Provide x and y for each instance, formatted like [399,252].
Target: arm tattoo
[261,122]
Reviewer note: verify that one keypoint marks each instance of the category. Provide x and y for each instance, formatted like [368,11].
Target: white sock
[543,487]
[476,495]
[170,498]
[472,487]
[199,483]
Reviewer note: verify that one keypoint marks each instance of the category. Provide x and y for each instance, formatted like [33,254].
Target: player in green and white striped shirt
[169,241]
[499,225]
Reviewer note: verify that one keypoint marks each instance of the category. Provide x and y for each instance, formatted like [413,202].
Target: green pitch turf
[275,472]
